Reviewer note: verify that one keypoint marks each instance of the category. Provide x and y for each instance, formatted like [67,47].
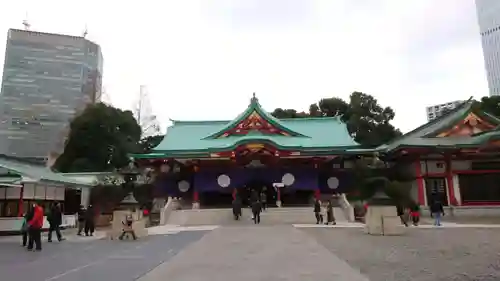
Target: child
[127,228]
[24,230]
[415,214]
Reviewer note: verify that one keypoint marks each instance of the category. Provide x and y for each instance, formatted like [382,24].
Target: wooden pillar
[449,181]
[20,209]
[420,183]
[196,195]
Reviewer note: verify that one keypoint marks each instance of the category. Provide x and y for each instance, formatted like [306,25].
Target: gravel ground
[421,254]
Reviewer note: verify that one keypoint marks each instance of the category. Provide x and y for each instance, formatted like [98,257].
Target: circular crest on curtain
[288,179]
[184,186]
[223,180]
[333,183]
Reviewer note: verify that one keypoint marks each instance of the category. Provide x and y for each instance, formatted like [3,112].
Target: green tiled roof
[425,135]
[255,107]
[314,135]
[35,172]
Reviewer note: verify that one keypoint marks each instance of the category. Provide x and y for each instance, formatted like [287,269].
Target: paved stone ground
[94,260]
[421,255]
[264,253]
[254,253]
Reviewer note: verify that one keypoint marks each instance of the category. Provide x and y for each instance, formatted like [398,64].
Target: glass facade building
[488,14]
[47,80]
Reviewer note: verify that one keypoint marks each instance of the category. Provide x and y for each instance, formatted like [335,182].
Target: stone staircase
[272,216]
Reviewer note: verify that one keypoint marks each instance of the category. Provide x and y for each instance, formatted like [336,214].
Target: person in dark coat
[55,220]
[81,219]
[254,197]
[256,209]
[89,221]
[237,208]
[330,218]
[400,211]
[263,201]
[437,211]
[317,211]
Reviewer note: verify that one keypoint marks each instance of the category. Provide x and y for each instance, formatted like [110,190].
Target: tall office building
[488,14]
[47,80]
[435,111]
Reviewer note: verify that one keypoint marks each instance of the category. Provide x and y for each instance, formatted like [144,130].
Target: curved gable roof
[255,107]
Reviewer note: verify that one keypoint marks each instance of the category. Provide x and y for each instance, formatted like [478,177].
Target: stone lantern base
[383,220]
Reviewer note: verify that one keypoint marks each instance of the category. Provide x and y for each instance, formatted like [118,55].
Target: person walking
[237,207]
[55,221]
[317,211]
[81,219]
[256,209]
[401,213]
[254,197]
[35,228]
[330,218]
[89,221]
[437,211]
[263,201]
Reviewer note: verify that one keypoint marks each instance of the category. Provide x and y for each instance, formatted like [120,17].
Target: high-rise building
[435,111]
[47,80]
[488,14]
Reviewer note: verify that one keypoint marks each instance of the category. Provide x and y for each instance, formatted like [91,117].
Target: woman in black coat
[330,218]
[256,209]
[401,214]
[317,211]
[89,221]
[237,208]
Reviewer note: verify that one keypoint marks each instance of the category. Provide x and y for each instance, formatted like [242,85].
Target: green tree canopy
[367,121]
[100,139]
[491,105]
[288,113]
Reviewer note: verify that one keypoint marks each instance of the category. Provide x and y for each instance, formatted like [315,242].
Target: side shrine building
[292,161]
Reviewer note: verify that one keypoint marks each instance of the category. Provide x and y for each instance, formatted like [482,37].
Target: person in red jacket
[35,228]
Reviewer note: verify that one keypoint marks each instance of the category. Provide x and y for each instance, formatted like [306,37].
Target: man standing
[237,207]
[55,221]
[437,211]
[263,200]
[317,211]
[256,209]
[81,220]
[89,221]
[35,228]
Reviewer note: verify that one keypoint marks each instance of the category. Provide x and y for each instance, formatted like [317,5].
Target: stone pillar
[420,183]
[278,197]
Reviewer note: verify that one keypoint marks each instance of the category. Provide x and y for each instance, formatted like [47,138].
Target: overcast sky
[203,59]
